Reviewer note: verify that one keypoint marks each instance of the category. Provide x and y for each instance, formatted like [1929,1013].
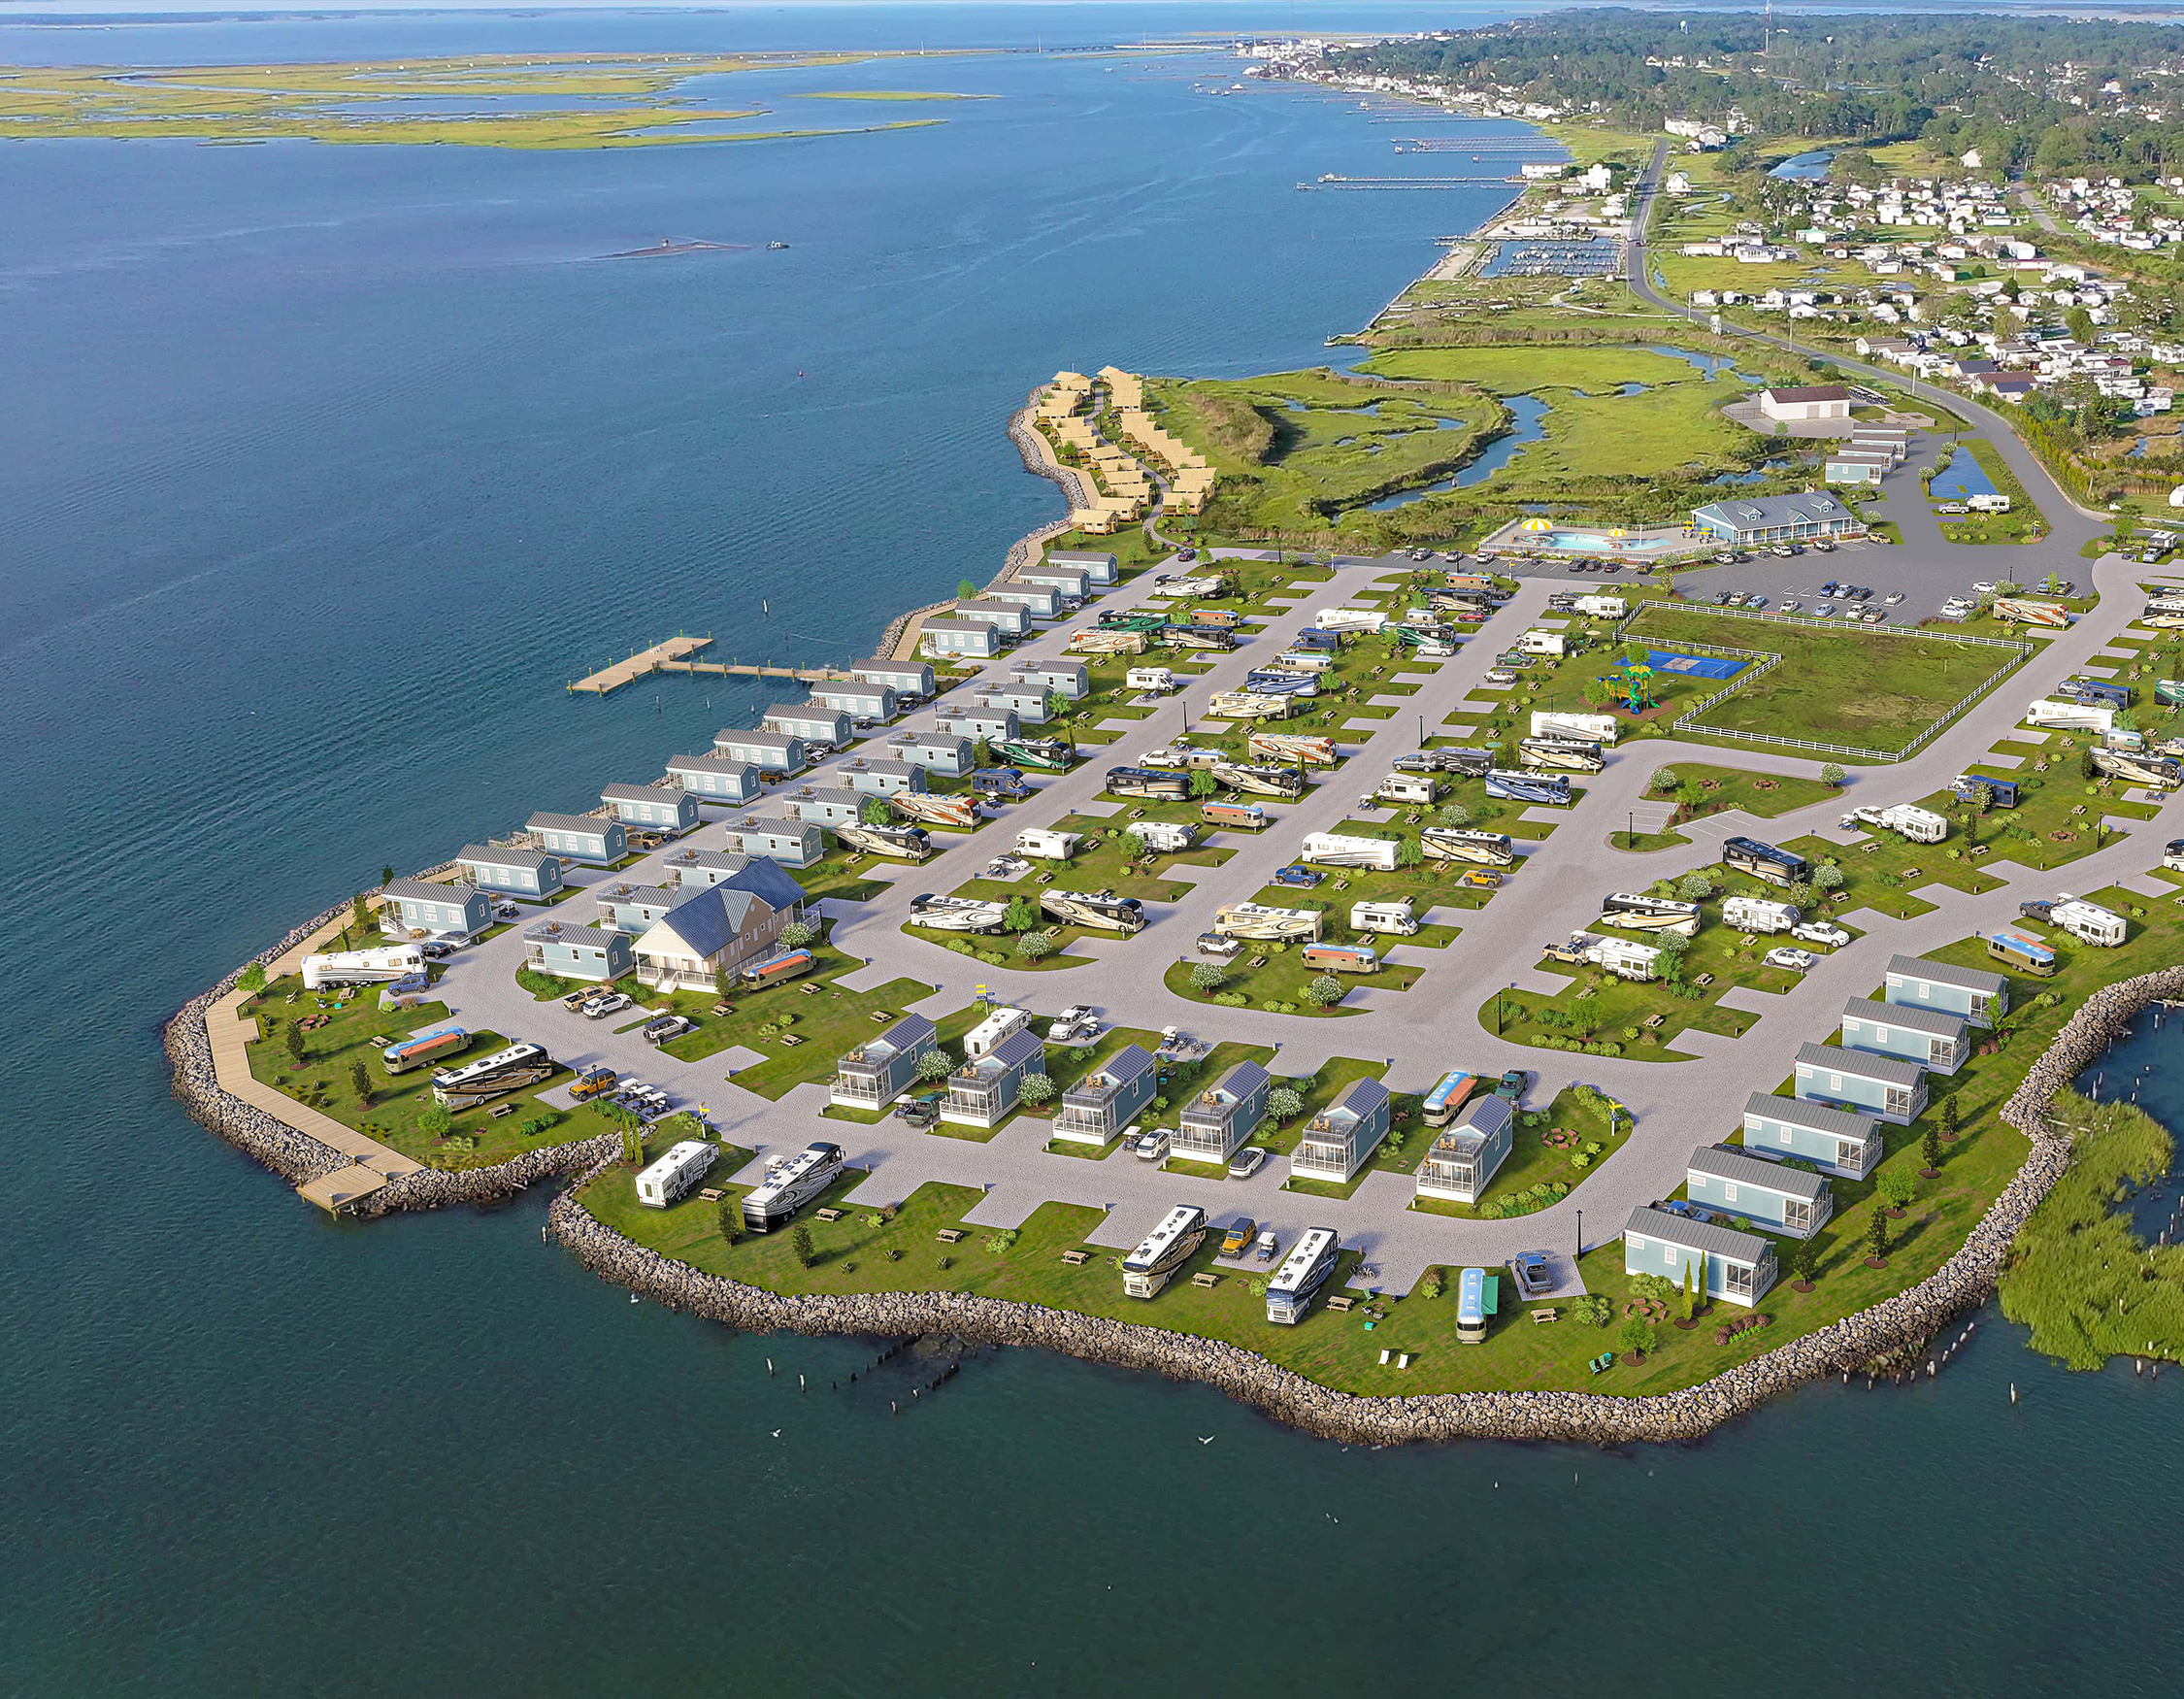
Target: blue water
[1528,414]
[323,469]
[1961,477]
[1805,167]
[1714,365]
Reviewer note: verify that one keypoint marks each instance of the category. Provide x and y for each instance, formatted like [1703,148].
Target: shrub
[1592,1307]
[1827,877]
[1033,945]
[252,977]
[1664,779]
[1036,1090]
[935,1064]
[1209,976]
[1696,888]
[1897,1190]
[1831,774]
[1324,991]
[1454,815]
[999,1243]
[1285,1103]
[435,1121]
[1430,1286]
[797,934]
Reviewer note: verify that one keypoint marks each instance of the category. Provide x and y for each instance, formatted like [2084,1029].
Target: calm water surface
[323,469]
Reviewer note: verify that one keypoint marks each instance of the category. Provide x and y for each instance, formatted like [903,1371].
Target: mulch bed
[1728,1330]
[1930,1174]
[1876,1262]
[1801,1286]
[1895,1215]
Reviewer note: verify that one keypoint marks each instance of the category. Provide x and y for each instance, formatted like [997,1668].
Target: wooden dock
[675,656]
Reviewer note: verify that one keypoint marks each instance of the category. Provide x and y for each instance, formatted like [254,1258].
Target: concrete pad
[1545,816]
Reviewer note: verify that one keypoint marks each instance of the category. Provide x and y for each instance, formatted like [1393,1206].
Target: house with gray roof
[878,776]
[1010,618]
[791,843]
[716,779]
[950,639]
[997,725]
[1771,1196]
[513,873]
[1216,1122]
[1739,1267]
[1041,601]
[1836,1141]
[1760,521]
[570,951]
[910,681]
[815,725]
[1106,1101]
[425,908]
[653,808]
[1464,1157]
[624,907]
[1097,565]
[1338,1141]
[856,698]
[1939,1042]
[824,804]
[988,1085]
[1061,677]
[875,1073]
[1027,702]
[580,837]
[945,753]
[715,929]
[1886,1086]
[1974,994]
[770,752]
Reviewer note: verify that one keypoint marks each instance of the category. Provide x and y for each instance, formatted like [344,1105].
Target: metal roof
[1724,1243]
[1019,1046]
[761,739]
[1740,1169]
[486,856]
[705,924]
[649,793]
[1118,1070]
[1933,1022]
[769,825]
[713,763]
[643,896]
[425,890]
[1939,972]
[580,823]
[1812,392]
[1754,513]
[1818,1118]
[1861,1064]
[568,932]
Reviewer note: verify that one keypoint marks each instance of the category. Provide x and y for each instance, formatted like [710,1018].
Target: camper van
[1412,788]
[1536,642]
[1758,915]
[1047,846]
[1383,917]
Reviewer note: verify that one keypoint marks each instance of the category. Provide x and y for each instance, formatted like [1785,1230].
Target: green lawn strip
[2054,802]
[2022,524]
[1624,1005]
[1764,794]
[1535,1162]
[1521,370]
[1642,841]
[322,1079]
[1856,688]
[832,876]
[824,1022]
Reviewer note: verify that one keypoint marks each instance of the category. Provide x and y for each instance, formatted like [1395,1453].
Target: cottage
[1737,1266]
[820,727]
[1768,1194]
[997,725]
[1098,566]
[1858,466]
[1058,678]
[938,752]
[1041,601]
[876,1072]
[694,869]
[989,1084]
[423,908]
[822,805]
[1463,1158]
[653,808]
[1761,520]
[860,701]
[1833,1139]
[1939,1042]
[1976,995]
[877,777]
[770,751]
[1218,1119]
[718,929]
[1339,1139]
[947,639]
[580,837]
[910,681]
[1108,1100]
[716,779]
[513,873]
[1027,702]
[1010,618]
[576,953]
[790,843]
[1882,1086]
[633,908]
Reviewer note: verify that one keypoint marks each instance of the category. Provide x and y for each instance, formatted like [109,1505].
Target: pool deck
[1654,543]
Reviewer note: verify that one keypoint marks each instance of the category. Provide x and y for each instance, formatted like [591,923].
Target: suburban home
[1097,565]
[714,930]
[513,873]
[1041,601]
[855,698]
[1217,1121]
[720,779]
[997,725]
[1106,1101]
[910,681]
[1737,1266]
[1833,1139]
[988,1085]
[1815,401]
[629,907]
[770,751]
[580,837]
[1854,1079]
[811,722]
[823,805]
[1061,678]
[876,1072]
[1913,982]
[1028,702]
[1771,1195]
[436,911]
[653,808]
[1010,618]
[1760,521]
[1940,1043]
[790,843]
[1338,1140]
[1464,1157]
[942,753]
[950,639]
[878,777]
[576,953]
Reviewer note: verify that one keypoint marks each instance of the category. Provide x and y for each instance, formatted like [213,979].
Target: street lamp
[1580,1233]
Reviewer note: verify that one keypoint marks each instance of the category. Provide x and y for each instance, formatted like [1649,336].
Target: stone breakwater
[431,1188]
[1895,1326]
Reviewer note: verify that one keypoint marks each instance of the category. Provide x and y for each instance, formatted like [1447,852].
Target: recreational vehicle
[907,841]
[1280,681]
[1370,619]
[1758,915]
[1343,959]
[1124,915]
[1147,783]
[934,810]
[1160,679]
[1246,705]
[1626,959]
[362,967]
[1415,789]
[1592,728]
[1047,754]
[1047,846]
[1552,788]
[1567,754]
[2002,792]
[1260,781]
[1274,746]
[1165,836]
[1301,1274]
[1635,911]
[956,914]
[1000,785]
[1164,1251]
[2054,714]
[2087,922]
[1247,817]
[666,1180]
[1255,920]
[790,964]
[1335,850]
[1106,643]
[1473,1305]
[1454,844]
[1546,643]
[427,1046]
[2021,951]
[2154,772]
[1920,825]
[1764,861]
[1447,1097]
[1383,917]
[512,1069]
[790,1185]
[2017,611]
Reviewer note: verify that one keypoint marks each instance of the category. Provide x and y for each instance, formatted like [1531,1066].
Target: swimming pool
[1597,543]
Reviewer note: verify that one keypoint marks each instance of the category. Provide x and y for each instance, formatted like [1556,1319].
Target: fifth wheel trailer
[661,1183]
[362,967]
[1920,825]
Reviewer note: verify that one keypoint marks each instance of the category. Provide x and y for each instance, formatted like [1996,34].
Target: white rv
[1592,728]
[1350,620]
[1602,607]
[362,967]
[1301,1274]
[663,1181]
[1165,835]
[957,913]
[790,1185]
[1626,959]
[2071,716]
[1635,911]
[1335,850]
[1047,846]
[1536,642]
[1161,679]
[1246,705]
[2087,922]
[1920,825]
[1165,1249]
[1407,788]
[1758,915]
[1383,917]
[1256,920]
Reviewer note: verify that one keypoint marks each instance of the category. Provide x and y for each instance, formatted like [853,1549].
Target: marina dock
[675,656]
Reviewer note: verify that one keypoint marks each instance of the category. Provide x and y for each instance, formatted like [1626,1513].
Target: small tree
[1285,1103]
[1949,1117]
[1324,991]
[731,1216]
[252,977]
[1827,877]
[387,876]
[1036,1090]
[1454,815]
[359,912]
[935,1064]
[1408,854]
[1831,774]
[1896,1190]
[800,1242]
[1805,1261]
[1690,1293]
[1664,779]
[360,1081]
[1877,1236]
[799,935]
[1584,1009]
[1209,976]
[1033,945]
[723,982]
[1200,782]
[1930,1148]
[1021,914]
[293,1038]
[435,1121]
[1636,1335]
[1696,888]
[874,812]
[966,591]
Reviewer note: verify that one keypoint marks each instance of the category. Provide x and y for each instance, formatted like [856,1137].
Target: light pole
[1580,1233]
[1630,830]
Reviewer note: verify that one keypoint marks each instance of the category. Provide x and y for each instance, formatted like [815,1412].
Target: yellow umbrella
[1618,531]
[1537,524]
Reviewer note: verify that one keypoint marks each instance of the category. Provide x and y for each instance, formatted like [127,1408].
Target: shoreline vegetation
[615,101]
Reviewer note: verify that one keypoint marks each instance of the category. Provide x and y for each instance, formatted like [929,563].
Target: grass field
[1857,688]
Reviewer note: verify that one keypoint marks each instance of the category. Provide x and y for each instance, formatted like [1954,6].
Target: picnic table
[950,1235]
[1342,1303]
[1076,1259]
[827,1214]
[1206,1279]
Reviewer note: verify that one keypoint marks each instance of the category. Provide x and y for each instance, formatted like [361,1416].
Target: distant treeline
[2010,86]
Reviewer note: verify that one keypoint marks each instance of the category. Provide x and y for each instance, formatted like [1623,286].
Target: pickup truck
[1303,877]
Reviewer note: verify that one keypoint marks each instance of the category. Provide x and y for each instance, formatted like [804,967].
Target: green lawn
[1764,794]
[2022,524]
[824,1019]
[1538,1160]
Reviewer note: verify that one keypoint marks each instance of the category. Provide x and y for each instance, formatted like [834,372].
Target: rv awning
[1491,1298]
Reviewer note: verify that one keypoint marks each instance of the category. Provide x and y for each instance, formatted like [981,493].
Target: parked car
[665,1026]
[1218,947]
[919,1111]
[1733,598]
[1452,555]
[1798,961]
[436,951]
[1823,609]
[1725,558]
[1301,877]
[1830,589]
[1755,601]
[1895,598]
[1153,1146]
[1787,549]
[1533,1275]
[1985,586]
[598,1007]
[1721,598]
[1500,675]
[1792,607]
[1246,1162]
[1512,1085]
[1268,1247]
[1864,592]
[1823,546]
[1238,1239]
[1186,555]
[1821,932]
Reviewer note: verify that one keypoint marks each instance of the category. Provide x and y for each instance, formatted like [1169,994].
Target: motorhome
[1592,728]
[1165,836]
[2154,772]
[1124,915]
[1454,844]
[1536,642]
[935,810]
[1106,643]
[1260,781]
[362,967]
[1256,920]
[1159,679]
[1000,785]
[1280,681]
[2017,611]
[1336,849]
[2087,922]
[1758,915]
[2002,792]
[2052,714]
[2173,857]
[1626,959]
[1383,917]
[512,1069]
[1199,637]
[1407,789]
[1302,660]
[1190,586]
[406,1053]
[1301,1274]
[2163,614]
[1247,817]
[662,1182]
[1920,825]
[956,914]
[1246,705]
[1291,747]
[1551,788]
[1147,781]
[905,841]
[1469,763]
[1370,619]
[1343,959]
[1764,861]
[1447,1097]
[790,1185]
[1602,607]
[1122,620]
[1164,1251]
[1635,911]
[1566,754]
[1047,846]
[1047,754]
